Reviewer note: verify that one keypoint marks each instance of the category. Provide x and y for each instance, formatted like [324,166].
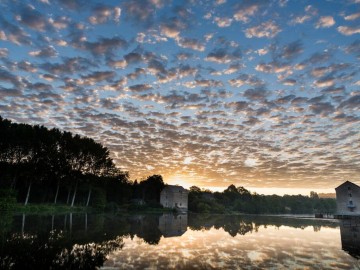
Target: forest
[49,166]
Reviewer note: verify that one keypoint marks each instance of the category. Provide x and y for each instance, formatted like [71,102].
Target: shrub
[99,201]
[7,199]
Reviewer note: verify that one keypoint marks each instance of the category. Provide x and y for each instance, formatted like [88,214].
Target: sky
[260,94]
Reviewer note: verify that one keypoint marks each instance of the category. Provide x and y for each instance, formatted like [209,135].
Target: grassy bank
[49,209]
[44,209]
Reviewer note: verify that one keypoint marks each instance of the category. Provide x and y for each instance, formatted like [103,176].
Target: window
[350,195]
[349,188]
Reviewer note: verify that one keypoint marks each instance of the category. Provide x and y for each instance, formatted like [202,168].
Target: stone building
[348,199]
[174,197]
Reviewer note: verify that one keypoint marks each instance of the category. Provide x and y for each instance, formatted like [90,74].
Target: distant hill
[327,195]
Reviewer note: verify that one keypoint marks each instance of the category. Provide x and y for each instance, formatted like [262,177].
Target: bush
[99,200]
[112,207]
[7,199]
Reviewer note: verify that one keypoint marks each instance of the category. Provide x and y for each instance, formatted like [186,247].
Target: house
[174,197]
[348,199]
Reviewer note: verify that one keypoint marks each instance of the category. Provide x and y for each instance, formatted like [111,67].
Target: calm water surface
[177,242]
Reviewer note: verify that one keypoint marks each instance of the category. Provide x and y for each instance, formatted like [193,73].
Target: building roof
[172,188]
[347,183]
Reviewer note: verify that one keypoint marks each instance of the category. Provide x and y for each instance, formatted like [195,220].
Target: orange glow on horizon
[179,179]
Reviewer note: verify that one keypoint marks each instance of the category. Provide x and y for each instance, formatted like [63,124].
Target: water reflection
[350,236]
[173,225]
[81,241]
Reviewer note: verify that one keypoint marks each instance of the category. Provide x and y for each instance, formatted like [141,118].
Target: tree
[151,188]
[314,195]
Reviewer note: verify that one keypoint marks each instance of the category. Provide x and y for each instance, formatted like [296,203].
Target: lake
[187,241]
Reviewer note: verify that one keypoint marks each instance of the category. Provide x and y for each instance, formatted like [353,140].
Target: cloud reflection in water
[269,247]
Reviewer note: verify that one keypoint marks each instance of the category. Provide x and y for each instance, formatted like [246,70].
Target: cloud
[267,29]
[4,52]
[299,100]
[117,63]
[325,22]
[9,92]
[233,68]
[223,22]
[16,81]
[40,87]
[152,36]
[300,19]
[322,108]
[13,33]
[172,28]
[156,67]
[191,43]
[352,17]
[186,70]
[252,121]
[246,79]
[222,56]
[104,46]
[220,2]
[238,106]
[27,66]
[310,12]
[72,4]
[334,90]
[354,48]
[136,74]
[133,58]
[346,118]
[256,93]
[243,12]
[139,88]
[285,99]
[102,13]
[59,23]
[348,30]
[325,82]
[45,52]
[208,83]
[183,56]
[68,66]
[33,19]
[97,77]
[273,67]
[289,82]
[351,103]
[292,50]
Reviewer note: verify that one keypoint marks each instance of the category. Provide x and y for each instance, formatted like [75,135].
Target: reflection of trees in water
[146,227]
[72,241]
[236,224]
[54,250]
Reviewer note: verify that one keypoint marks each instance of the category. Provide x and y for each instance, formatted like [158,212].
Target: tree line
[42,165]
[239,199]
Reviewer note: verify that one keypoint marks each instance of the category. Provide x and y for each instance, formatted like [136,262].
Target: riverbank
[45,209]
